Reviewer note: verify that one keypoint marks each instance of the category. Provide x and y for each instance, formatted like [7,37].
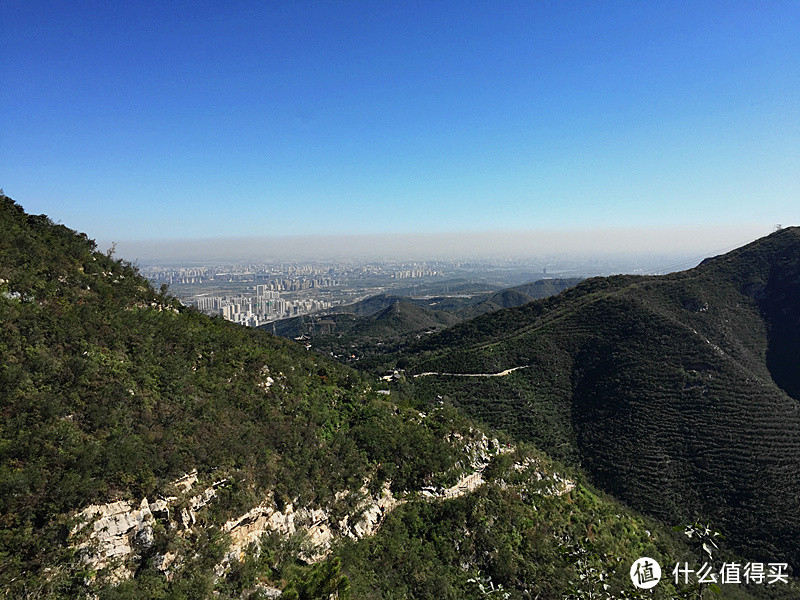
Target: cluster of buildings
[294,277]
[188,275]
[256,309]
[301,283]
[281,278]
[415,273]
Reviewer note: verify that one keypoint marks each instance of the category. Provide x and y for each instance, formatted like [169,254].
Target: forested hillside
[383,324]
[676,393]
[149,451]
[517,296]
[110,391]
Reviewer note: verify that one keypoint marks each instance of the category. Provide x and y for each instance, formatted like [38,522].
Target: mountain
[404,317]
[517,296]
[360,315]
[120,405]
[350,337]
[386,323]
[679,394]
[372,305]
[150,451]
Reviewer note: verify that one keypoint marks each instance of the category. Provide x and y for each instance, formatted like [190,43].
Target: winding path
[500,374]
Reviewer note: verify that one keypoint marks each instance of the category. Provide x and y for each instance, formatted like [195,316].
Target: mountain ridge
[150,451]
[698,347]
[365,329]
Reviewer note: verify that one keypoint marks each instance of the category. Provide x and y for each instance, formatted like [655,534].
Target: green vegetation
[383,324]
[351,337]
[111,390]
[677,394]
[518,296]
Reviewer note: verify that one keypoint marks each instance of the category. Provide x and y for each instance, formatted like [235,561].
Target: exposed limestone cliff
[112,534]
[115,535]
[117,531]
[318,526]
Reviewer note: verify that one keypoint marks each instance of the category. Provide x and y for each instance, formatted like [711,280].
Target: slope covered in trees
[517,296]
[233,464]
[677,393]
[386,323]
[111,390]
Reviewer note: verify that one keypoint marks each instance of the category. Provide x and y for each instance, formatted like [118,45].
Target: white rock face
[373,512]
[317,524]
[116,528]
[269,591]
[185,483]
[160,507]
[117,531]
[113,535]
[163,562]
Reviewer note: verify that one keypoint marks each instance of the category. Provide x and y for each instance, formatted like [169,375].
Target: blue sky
[144,120]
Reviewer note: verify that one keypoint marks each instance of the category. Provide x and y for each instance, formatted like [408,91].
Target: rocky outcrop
[319,529]
[371,511]
[114,536]
[116,531]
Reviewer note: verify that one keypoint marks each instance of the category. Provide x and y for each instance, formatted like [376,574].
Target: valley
[149,450]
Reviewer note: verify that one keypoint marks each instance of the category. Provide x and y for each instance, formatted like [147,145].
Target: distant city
[254,294]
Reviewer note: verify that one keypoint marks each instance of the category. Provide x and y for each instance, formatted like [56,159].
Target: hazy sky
[149,121]
[652,248]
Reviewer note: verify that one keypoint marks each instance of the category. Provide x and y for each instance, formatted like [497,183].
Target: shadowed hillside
[517,296]
[677,393]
